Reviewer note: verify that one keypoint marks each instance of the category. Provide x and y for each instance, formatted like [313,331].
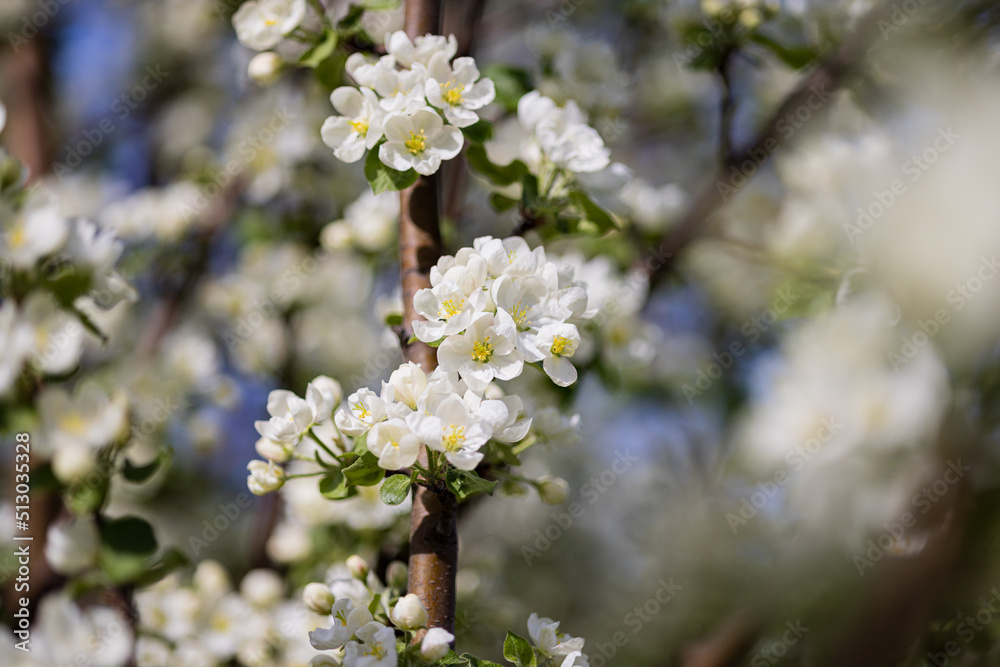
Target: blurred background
[782,448]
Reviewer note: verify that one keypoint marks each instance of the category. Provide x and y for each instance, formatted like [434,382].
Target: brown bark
[433,529]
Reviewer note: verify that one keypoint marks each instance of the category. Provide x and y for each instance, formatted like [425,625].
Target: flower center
[376,650]
[16,237]
[417,143]
[449,308]
[360,126]
[362,410]
[519,313]
[394,444]
[559,344]
[73,423]
[482,350]
[452,441]
[452,93]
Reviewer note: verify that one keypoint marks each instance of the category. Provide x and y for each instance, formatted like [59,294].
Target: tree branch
[433,529]
[812,94]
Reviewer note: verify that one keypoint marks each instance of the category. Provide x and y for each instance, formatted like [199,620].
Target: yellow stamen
[359,126]
[482,350]
[519,314]
[360,407]
[452,93]
[73,423]
[417,143]
[449,308]
[452,441]
[559,344]
[17,237]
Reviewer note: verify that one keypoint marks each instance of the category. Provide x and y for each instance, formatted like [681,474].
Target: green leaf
[517,650]
[129,535]
[479,132]
[795,57]
[352,20]
[361,444]
[501,203]
[394,320]
[373,605]
[86,498]
[473,661]
[511,84]
[137,474]
[334,485]
[593,213]
[467,483]
[122,567]
[384,179]
[68,285]
[321,51]
[478,160]
[167,563]
[381,4]
[365,471]
[395,489]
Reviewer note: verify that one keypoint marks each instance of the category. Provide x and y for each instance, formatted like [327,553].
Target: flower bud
[264,477]
[553,490]
[358,567]
[336,236]
[273,451]
[262,587]
[265,68]
[436,644]
[318,597]
[211,579]
[410,383]
[409,613]
[397,574]
[71,547]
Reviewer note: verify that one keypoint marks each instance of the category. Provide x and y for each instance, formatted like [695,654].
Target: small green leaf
[511,84]
[365,471]
[501,203]
[380,4]
[334,485]
[478,160]
[68,285]
[473,661]
[517,650]
[137,474]
[478,132]
[120,567]
[86,498]
[373,605]
[129,535]
[394,320]
[352,20]
[323,50]
[592,212]
[467,483]
[361,444]
[395,489]
[167,563]
[384,179]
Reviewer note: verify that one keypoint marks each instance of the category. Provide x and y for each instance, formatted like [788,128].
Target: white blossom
[359,125]
[419,141]
[261,24]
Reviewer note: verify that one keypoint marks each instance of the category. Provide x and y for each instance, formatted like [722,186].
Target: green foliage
[323,49]
[365,471]
[511,84]
[334,485]
[126,544]
[592,214]
[395,489]
[476,157]
[517,650]
[385,179]
[478,132]
[467,483]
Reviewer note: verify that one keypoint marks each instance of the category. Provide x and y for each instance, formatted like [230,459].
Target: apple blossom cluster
[367,617]
[410,104]
[207,621]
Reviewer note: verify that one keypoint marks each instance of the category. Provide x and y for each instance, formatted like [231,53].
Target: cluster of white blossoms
[415,98]
[35,329]
[206,622]
[545,133]
[557,646]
